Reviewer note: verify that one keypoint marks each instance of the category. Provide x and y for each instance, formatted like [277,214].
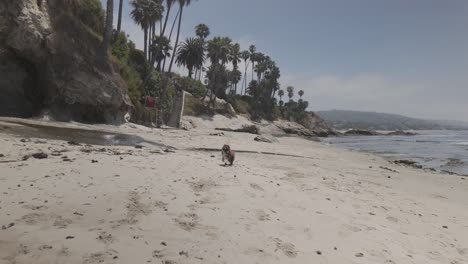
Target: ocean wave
[461,143]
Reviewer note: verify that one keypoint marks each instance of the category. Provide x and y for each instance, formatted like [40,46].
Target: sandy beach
[312,203]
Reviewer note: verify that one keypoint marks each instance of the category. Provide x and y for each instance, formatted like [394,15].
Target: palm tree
[245,55]
[252,50]
[142,18]
[169,4]
[290,90]
[219,50]
[160,48]
[156,10]
[202,31]
[119,21]
[108,31]
[235,77]
[301,93]
[281,94]
[182,4]
[191,54]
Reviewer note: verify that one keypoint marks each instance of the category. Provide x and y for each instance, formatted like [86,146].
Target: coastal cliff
[52,63]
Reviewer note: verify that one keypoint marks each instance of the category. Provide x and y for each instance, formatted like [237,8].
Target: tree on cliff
[108,30]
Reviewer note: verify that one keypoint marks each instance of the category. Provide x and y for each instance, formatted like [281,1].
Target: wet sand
[314,204]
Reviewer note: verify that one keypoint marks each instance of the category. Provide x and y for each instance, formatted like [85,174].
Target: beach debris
[73,143]
[266,139]
[359,255]
[388,169]
[163,243]
[10,225]
[39,155]
[183,253]
[45,247]
[78,213]
[169,151]
[335,248]
[94,161]
[318,252]
[70,237]
[218,134]
[252,129]
[445,227]
[138,146]
[24,140]
[2,155]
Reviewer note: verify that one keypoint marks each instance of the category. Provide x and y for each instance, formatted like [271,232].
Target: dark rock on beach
[409,163]
[401,133]
[359,132]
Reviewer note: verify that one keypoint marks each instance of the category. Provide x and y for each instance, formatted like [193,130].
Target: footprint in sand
[261,215]
[134,208]
[188,221]
[202,185]
[105,238]
[287,248]
[100,257]
[256,187]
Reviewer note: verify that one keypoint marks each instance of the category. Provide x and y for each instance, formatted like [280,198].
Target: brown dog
[228,155]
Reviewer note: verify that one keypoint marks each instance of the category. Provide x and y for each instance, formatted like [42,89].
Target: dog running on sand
[228,155]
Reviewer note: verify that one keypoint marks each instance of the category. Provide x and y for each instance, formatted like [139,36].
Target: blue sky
[399,56]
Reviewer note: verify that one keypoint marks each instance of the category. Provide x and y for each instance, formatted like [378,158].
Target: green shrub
[241,104]
[195,107]
[90,12]
[194,87]
[161,87]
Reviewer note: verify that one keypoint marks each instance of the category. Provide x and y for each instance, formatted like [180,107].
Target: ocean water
[445,150]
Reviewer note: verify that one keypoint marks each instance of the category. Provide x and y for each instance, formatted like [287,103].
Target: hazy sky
[398,56]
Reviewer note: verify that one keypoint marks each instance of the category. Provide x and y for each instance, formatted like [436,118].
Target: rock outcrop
[53,62]
[360,132]
[317,125]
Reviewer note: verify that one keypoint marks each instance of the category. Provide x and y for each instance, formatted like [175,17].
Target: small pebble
[319,252]
[163,243]
[359,255]
[446,227]
[70,237]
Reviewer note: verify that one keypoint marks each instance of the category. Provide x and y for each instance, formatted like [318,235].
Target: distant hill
[342,119]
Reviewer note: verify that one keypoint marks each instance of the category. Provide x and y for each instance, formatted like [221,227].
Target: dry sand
[149,206]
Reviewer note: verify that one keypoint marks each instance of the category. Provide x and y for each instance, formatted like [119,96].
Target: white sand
[184,207]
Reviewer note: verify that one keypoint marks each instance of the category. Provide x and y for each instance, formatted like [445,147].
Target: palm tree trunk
[146,42]
[170,36]
[168,12]
[119,21]
[108,31]
[177,39]
[253,67]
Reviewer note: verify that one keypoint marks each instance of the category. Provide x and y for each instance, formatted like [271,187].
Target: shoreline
[121,204]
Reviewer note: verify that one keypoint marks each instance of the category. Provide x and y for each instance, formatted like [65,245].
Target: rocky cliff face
[51,61]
